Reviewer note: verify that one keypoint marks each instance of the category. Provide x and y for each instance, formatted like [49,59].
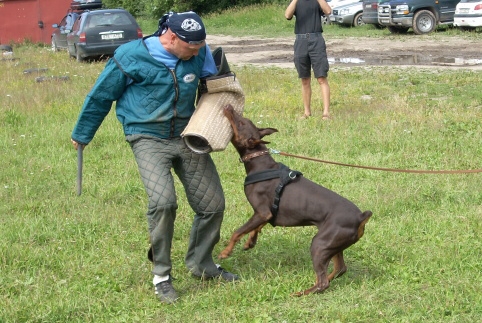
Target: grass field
[67,258]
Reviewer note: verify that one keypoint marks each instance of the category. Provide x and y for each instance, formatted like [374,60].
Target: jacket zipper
[174,111]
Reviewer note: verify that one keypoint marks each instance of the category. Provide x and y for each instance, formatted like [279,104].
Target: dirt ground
[344,52]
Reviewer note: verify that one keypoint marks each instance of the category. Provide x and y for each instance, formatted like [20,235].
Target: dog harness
[285,175]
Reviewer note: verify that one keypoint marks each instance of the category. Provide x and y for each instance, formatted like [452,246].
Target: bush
[156,8]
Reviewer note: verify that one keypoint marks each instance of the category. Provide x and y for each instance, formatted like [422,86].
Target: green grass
[83,259]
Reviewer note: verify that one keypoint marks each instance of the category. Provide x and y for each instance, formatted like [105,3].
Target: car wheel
[77,56]
[6,48]
[54,45]
[423,22]
[397,30]
[358,20]
[325,20]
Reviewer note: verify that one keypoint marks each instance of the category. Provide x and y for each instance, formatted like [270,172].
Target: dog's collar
[247,157]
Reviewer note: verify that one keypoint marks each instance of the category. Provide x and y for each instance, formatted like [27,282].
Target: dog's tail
[364,217]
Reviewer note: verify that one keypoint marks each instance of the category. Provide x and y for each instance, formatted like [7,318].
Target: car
[423,16]
[468,14]
[333,4]
[370,12]
[337,3]
[59,36]
[99,32]
[349,14]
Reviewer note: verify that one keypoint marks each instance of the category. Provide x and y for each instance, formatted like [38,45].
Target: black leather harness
[285,175]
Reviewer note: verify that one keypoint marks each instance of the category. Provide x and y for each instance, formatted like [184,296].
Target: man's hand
[325,7]
[75,143]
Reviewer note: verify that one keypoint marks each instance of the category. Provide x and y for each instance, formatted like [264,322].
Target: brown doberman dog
[285,198]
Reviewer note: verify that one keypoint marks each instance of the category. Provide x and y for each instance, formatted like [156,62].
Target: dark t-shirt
[308,17]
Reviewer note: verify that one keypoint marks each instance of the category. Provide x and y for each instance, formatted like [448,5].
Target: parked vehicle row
[398,16]
[468,14]
[350,14]
[94,33]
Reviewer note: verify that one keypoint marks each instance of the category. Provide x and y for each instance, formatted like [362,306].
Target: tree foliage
[156,8]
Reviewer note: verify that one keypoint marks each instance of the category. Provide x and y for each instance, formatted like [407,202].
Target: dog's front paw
[297,294]
[224,254]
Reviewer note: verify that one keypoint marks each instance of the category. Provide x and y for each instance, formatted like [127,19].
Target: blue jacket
[150,98]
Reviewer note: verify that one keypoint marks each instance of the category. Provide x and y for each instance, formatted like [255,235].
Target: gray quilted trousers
[155,158]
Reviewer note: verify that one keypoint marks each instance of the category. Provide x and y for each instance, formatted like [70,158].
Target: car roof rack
[81,5]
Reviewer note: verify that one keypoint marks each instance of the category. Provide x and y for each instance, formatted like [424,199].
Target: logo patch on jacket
[188,78]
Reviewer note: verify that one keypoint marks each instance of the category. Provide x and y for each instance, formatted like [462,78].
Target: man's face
[184,50]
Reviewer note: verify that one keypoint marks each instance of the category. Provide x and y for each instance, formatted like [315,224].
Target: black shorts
[310,51]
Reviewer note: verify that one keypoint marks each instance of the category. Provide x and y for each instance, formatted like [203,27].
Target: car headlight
[344,11]
[383,9]
[402,9]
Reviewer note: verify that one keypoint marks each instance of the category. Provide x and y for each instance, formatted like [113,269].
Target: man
[154,83]
[310,50]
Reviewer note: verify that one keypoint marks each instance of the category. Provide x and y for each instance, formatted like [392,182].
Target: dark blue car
[99,32]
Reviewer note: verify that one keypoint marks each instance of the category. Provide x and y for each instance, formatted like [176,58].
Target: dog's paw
[223,255]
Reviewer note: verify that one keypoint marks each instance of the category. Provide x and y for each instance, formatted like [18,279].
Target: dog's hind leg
[339,267]
[320,256]
[253,237]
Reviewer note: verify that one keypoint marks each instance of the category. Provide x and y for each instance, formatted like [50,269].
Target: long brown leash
[273,151]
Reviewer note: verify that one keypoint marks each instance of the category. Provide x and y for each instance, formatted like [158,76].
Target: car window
[70,19]
[63,23]
[108,19]
[120,19]
[77,23]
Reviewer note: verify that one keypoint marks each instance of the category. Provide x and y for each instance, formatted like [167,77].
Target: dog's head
[246,135]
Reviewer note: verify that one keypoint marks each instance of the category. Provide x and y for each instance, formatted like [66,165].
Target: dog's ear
[266,131]
[253,142]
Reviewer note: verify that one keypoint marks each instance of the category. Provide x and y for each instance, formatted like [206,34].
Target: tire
[358,21]
[424,22]
[397,30]
[6,48]
[77,56]
[55,48]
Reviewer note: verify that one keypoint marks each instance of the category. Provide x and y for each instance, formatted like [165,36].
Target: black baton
[80,157]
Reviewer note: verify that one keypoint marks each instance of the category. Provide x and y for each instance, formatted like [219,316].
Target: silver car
[350,14]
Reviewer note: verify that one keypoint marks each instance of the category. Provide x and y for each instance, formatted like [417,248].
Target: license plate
[112,36]
[464,10]
[385,21]
[332,18]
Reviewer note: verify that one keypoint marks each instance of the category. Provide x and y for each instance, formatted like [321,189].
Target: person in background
[154,83]
[310,50]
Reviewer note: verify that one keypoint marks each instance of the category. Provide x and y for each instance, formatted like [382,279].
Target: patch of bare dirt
[344,52]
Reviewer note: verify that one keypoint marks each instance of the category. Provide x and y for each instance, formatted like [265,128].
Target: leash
[274,151]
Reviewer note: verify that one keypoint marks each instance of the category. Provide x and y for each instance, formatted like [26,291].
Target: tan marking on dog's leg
[361,228]
[339,267]
[253,237]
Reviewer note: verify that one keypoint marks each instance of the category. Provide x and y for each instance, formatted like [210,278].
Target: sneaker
[226,275]
[165,292]
[222,274]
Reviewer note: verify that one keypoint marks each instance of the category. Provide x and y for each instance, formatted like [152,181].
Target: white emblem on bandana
[190,25]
